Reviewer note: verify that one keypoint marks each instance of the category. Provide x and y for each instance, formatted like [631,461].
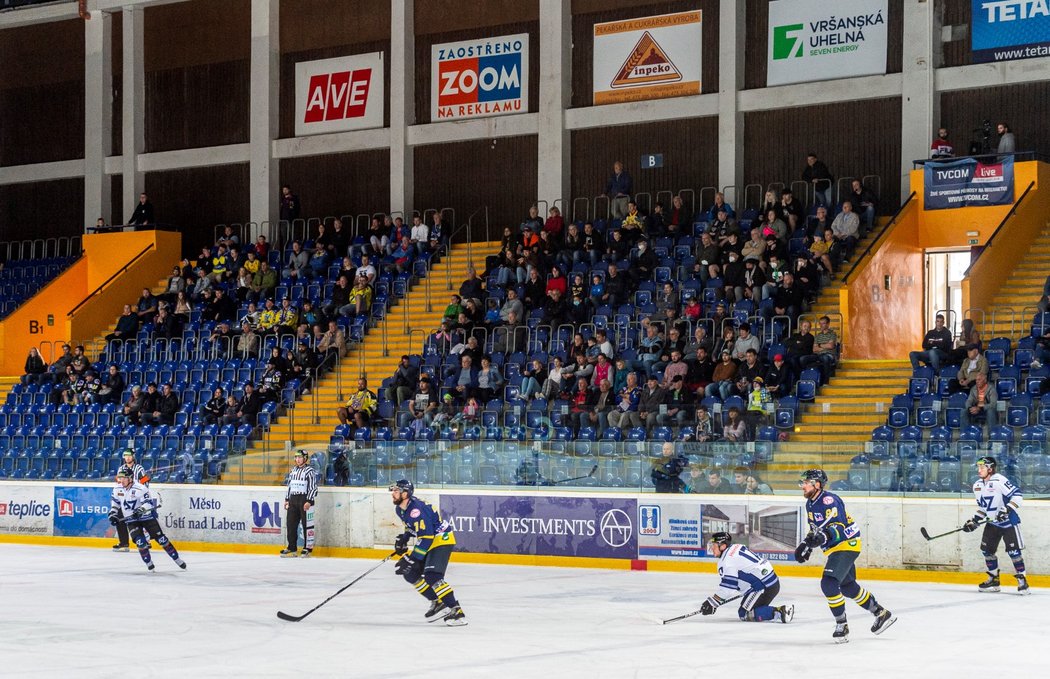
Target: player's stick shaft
[296,618]
[928,537]
[696,612]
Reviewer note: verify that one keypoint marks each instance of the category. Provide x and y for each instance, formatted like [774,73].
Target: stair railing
[1006,218]
[882,232]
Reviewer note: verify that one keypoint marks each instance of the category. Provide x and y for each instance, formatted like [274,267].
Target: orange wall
[104,254]
[881,323]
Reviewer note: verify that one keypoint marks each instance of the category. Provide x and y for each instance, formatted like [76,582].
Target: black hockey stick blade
[929,537]
[296,618]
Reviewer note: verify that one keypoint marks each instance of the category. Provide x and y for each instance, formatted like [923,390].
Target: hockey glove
[401,543]
[816,539]
[1003,515]
[140,512]
[708,607]
[970,526]
[406,565]
[113,520]
[802,552]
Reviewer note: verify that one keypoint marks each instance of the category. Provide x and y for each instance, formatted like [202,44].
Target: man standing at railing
[618,188]
[143,214]
[1007,142]
[818,174]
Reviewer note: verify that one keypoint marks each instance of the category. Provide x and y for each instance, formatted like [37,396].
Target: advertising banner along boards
[336,95]
[968,183]
[816,40]
[477,78]
[647,58]
[26,510]
[545,526]
[1001,30]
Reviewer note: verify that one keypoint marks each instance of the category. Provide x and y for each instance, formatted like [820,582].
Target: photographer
[666,470]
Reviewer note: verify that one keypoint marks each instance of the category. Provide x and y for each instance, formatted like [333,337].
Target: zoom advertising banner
[543,526]
[968,183]
[477,78]
[1003,30]
[818,40]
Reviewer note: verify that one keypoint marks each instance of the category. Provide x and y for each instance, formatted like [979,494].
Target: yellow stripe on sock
[838,600]
[863,597]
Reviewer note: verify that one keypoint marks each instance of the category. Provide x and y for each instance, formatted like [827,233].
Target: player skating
[744,571]
[140,510]
[832,529]
[424,566]
[299,503]
[138,473]
[997,502]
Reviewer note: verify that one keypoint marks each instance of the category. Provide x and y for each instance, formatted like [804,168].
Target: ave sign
[335,95]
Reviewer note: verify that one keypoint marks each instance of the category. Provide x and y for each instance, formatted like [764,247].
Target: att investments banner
[546,526]
[819,40]
[968,183]
[1002,30]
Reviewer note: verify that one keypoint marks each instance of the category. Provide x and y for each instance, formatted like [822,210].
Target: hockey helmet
[722,538]
[813,475]
[129,453]
[405,486]
[125,472]
[303,454]
[987,461]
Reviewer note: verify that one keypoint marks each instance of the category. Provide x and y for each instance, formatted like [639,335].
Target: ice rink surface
[71,612]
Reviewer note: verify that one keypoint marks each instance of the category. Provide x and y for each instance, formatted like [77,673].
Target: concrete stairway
[313,420]
[1022,288]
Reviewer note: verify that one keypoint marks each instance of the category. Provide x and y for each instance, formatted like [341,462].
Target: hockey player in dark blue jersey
[424,565]
[832,529]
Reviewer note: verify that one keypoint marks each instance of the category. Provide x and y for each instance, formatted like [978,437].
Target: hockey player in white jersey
[997,503]
[138,473]
[749,576]
[140,512]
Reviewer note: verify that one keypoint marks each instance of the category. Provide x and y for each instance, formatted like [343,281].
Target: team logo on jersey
[647,64]
[649,520]
[829,500]
[414,513]
[615,527]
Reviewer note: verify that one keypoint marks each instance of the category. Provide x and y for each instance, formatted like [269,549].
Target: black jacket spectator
[143,213]
[127,326]
[251,404]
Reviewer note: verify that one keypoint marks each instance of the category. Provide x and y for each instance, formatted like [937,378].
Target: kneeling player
[424,567]
[141,511]
[744,571]
[997,501]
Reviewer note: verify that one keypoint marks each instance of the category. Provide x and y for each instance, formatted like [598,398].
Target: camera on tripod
[983,138]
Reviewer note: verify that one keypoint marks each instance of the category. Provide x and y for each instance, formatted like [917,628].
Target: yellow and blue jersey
[826,512]
[425,523]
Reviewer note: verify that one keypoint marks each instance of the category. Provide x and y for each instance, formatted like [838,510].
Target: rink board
[552,528]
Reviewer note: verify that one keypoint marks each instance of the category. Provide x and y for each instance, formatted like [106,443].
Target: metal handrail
[1006,218]
[878,237]
[110,279]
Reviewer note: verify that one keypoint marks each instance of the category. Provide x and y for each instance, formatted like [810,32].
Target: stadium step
[313,420]
[827,301]
[1022,288]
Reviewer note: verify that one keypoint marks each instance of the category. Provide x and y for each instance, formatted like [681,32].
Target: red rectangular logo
[337,96]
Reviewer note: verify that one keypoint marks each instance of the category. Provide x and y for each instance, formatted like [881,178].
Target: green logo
[785,44]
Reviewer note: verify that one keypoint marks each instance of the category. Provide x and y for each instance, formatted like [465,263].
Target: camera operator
[1007,143]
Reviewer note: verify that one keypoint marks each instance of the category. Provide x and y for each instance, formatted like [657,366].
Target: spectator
[490,381]
[864,201]
[333,343]
[755,248]
[360,407]
[759,405]
[58,368]
[720,205]
[941,147]
[723,376]
[297,262]
[247,341]
[250,405]
[399,261]
[602,408]
[799,345]
[221,308]
[533,222]
[650,348]
[436,235]
[825,349]
[679,401]
[625,413]
[35,367]
[378,237]
[164,409]
[403,382]
[422,407]
[817,174]
[735,429]
[652,397]
[147,306]
[974,363]
[360,299]
[618,188]
[264,283]
[745,341]
[420,235]
[679,219]
[791,210]
[617,287]
[183,309]
[704,429]
[666,469]
[201,286]
[133,406]
[338,240]
[819,223]
[143,213]
[272,381]
[936,346]
[1007,142]
[716,485]
[755,486]
[290,206]
[778,378]
[845,229]
[981,404]
[534,374]
[231,411]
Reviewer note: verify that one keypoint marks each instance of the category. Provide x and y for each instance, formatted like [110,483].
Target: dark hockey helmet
[813,475]
[405,486]
[987,461]
[722,538]
[125,472]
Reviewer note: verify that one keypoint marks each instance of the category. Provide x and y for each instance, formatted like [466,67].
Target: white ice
[72,612]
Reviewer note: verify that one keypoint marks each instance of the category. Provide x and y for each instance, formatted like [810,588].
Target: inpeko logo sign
[477,78]
[335,95]
[1002,30]
[816,40]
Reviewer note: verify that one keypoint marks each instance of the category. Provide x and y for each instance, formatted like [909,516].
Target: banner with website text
[968,183]
[1002,30]
[816,40]
[647,58]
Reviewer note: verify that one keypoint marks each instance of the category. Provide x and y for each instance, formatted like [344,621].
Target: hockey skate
[457,618]
[305,554]
[1022,585]
[841,634]
[787,612]
[883,619]
[180,563]
[150,566]
[436,606]
[990,585]
[288,554]
[120,548]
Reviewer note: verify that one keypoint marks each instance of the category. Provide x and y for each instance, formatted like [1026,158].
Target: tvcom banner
[1002,30]
[968,183]
[335,95]
[543,526]
[648,58]
[819,40]
[477,78]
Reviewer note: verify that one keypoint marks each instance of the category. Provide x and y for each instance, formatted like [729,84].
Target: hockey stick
[578,478]
[697,611]
[956,530]
[296,618]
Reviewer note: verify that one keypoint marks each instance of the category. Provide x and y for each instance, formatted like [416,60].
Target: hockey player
[116,516]
[138,473]
[141,511]
[832,529]
[299,503]
[424,566]
[744,571]
[997,504]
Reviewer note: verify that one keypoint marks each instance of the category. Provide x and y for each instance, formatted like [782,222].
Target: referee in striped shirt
[299,501]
